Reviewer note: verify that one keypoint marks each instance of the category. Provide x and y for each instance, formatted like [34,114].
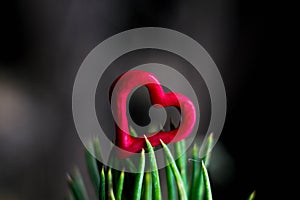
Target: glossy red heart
[122,88]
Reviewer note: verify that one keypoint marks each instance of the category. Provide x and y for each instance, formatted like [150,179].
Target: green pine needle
[196,168]
[139,179]
[111,194]
[170,182]
[148,187]
[120,186]
[181,161]
[102,184]
[132,132]
[199,185]
[252,195]
[97,150]
[93,171]
[207,148]
[155,175]
[206,182]
[75,191]
[77,186]
[180,184]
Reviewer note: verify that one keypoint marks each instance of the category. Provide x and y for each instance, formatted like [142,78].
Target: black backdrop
[44,42]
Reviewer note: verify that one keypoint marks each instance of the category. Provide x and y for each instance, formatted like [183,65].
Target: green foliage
[170,183]
[102,184]
[206,182]
[111,184]
[176,173]
[137,191]
[252,195]
[181,161]
[93,170]
[155,175]
[148,186]
[120,186]
[77,186]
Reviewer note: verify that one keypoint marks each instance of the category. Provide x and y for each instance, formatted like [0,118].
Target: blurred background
[42,45]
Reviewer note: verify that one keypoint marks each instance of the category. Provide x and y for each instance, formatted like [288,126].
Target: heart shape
[123,86]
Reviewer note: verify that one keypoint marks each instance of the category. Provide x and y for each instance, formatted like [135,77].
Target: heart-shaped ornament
[123,87]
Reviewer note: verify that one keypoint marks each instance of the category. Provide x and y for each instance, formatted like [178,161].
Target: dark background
[43,44]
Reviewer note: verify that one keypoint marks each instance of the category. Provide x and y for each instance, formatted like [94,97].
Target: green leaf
[75,191]
[207,148]
[181,161]
[199,184]
[170,183]
[206,182]
[102,185]
[252,195]
[93,171]
[120,186]
[132,132]
[97,150]
[180,184]
[77,186]
[204,151]
[196,168]
[139,179]
[110,185]
[148,187]
[155,175]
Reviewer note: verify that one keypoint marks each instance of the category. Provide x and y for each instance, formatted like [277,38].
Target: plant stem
[93,171]
[180,184]
[139,179]
[170,183]
[120,186]
[206,182]
[148,187]
[181,161]
[196,171]
[77,186]
[110,185]
[102,194]
[155,175]
[252,195]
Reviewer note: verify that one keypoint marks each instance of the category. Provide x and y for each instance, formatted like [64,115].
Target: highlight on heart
[121,89]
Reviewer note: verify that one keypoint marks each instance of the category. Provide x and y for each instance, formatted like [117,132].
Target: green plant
[109,183]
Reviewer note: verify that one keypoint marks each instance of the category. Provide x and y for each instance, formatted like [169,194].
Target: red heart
[122,88]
